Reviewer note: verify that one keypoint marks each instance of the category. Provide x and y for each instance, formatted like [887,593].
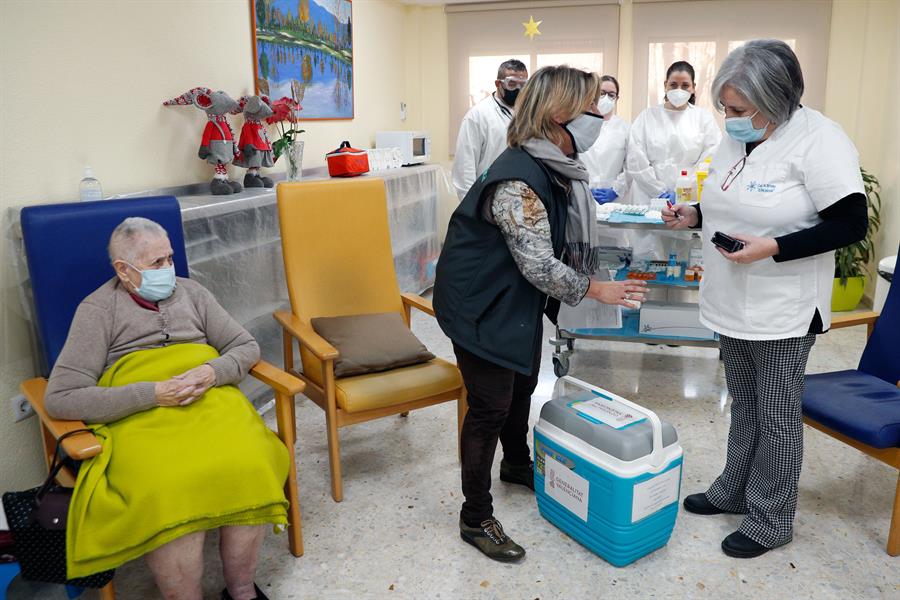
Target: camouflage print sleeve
[521,216]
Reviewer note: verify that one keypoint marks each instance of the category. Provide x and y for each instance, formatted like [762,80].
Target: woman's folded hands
[186,388]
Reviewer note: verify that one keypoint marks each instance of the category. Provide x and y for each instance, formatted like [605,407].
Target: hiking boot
[491,540]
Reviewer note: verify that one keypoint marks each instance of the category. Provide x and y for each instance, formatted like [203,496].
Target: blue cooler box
[606,471]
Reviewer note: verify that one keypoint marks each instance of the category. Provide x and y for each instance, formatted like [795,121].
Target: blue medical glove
[668,195]
[604,195]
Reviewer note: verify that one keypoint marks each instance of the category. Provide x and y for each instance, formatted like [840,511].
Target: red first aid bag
[347,161]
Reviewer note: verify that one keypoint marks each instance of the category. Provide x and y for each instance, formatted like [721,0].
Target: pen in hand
[669,204]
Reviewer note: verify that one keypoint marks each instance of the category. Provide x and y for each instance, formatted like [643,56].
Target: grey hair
[766,73]
[124,243]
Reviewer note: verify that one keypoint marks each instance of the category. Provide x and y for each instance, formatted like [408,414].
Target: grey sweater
[109,324]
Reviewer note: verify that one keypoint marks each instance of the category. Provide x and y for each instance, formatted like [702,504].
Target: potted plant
[851,263]
[287,110]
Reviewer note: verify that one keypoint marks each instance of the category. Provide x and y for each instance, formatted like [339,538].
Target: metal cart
[665,290]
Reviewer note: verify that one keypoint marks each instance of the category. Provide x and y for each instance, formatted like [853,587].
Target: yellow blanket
[167,472]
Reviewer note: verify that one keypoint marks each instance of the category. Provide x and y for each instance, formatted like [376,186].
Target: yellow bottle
[702,172]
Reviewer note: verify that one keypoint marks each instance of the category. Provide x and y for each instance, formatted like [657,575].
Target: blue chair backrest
[881,357]
[66,249]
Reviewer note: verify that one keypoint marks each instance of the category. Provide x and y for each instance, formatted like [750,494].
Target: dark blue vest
[481,300]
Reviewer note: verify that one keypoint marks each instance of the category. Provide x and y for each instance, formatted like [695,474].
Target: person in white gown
[605,160]
[669,137]
[482,133]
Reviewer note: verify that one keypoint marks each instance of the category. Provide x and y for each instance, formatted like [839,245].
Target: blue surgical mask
[741,129]
[584,131]
[156,284]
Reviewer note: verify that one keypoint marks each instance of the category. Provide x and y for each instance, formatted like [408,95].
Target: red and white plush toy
[254,146]
[217,147]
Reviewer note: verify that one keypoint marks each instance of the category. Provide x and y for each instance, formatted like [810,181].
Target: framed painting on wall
[303,49]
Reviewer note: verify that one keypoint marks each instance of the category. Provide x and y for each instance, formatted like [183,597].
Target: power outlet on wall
[403,111]
[21,408]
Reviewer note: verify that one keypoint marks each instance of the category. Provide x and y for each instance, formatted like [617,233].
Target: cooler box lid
[601,421]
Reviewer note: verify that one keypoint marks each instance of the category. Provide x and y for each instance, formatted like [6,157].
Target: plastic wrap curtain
[234,250]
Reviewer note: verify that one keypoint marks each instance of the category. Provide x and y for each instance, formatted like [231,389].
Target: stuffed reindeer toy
[254,148]
[217,146]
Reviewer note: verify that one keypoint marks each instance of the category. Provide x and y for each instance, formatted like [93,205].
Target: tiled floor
[395,534]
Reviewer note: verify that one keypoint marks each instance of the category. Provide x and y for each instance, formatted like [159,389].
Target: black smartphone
[726,242]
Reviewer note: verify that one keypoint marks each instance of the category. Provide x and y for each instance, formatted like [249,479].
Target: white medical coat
[662,142]
[481,139]
[805,166]
[605,160]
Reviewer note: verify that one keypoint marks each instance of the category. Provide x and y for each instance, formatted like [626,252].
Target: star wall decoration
[531,28]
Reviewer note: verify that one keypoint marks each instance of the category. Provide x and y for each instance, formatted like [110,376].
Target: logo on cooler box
[567,487]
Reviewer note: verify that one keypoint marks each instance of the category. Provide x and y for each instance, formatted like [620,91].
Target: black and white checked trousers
[765,441]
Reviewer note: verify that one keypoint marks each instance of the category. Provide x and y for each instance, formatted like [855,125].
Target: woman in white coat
[786,183]
[605,160]
[669,137]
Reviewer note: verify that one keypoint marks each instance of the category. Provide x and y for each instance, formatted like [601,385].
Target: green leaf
[280,146]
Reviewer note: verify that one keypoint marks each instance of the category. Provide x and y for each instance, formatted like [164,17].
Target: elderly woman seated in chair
[151,362]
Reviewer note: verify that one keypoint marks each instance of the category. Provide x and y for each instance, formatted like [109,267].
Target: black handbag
[37,519]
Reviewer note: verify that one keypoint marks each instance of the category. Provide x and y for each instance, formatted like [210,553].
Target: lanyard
[506,112]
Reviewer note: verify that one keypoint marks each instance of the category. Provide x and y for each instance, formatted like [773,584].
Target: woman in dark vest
[522,240]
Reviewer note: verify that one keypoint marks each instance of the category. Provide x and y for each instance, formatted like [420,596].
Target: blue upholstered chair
[66,249]
[861,407]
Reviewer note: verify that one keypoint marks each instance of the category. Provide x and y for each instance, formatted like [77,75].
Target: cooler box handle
[656,455]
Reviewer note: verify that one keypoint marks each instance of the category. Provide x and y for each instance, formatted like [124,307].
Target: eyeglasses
[611,95]
[733,173]
[513,83]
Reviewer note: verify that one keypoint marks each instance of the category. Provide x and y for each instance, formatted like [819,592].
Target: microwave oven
[415,146]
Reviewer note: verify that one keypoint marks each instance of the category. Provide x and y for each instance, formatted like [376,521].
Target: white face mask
[606,105]
[584,131]
[678,98]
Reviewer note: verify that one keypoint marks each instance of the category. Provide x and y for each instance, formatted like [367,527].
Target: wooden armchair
[338,261]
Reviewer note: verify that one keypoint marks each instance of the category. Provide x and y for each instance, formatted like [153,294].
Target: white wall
[863,95]
[427,92]
[83,83]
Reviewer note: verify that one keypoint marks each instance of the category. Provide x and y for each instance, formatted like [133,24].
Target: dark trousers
[499,403]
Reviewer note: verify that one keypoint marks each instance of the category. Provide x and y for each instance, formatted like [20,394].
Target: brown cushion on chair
[371,343]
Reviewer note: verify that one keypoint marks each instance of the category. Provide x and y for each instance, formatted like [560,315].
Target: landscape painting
[303,49]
